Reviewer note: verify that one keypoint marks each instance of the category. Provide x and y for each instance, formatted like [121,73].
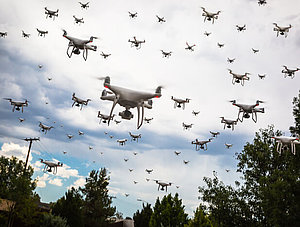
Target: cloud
[12,149]
[78,183]
[41,181]
[56,181]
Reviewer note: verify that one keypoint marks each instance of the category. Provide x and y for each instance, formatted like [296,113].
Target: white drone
[246,110]
[177,152]
[129,99]
[78,101]
[228,123]
[148,120]
[17,104]
[239,78]
[282,30]
[3,34]
[50,164]
[241,28]
[201,144]
[195,113]
[84,5]
[78,20]
[228,145]
[289,72]
[149,171]
[121,141]
[135,137]
[51,13]
[262,2]
[190,47]
[160,19]
[179,102]
[214,134]
[104,117]
[162,185]
[230,60]
[80,133]
[45,128]
[70,136]
[166,54]
[187,126]
[284,141]
[136,43]
[25,35]
[186,162]
[41,32]
[210,16]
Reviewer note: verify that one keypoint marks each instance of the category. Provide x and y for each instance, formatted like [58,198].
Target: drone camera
[126,114]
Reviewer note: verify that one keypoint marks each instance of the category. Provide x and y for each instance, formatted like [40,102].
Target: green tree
[50,220]
[168,213]
[97,202]
[142,218]
[70,207]
[201,219]
[295,130]
[17,185]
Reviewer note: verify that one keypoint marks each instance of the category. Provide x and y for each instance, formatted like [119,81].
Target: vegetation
[142,219]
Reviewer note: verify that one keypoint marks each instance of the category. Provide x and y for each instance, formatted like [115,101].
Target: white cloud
[12,149]
[41,181]
[78,183]
[56,181]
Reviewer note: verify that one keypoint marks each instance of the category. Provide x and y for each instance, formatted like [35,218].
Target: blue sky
[201,75]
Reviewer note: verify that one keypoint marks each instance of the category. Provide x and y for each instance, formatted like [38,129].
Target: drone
[179,102]
[49,78]
[210,16]
[282,30]
[126,159]
[166,54]
[104,117]
[104,55]
[129,99]
[17,104]
[177,152]
[126,194]
[284,141]
[227,170]
[64,152]
[187,126]
[261,76]
[84,5]
[136,43]
[289,72]
[90,148]
[195,112]
[186,162]
[201,144]
[135,137]
[228,145]
[80,133]
[79,44]
[246,110]
[132,15]
[135,182]
[49,165]
[220,45]
[111,136]
[45,128]
[241,28]
[41,32]
[21,119]
[228,123]
[239,78]
[117,122]
[149,171]
[262,2]
[214,134]
[207,33]
[130,170]
[69,136]
[40,66]
[51,13]
[162,185]
[78,101]
[78,20]
[122,142]
[161,19]
[191,48]
[135,153]
[230,60]
[147,179]
[148,120]
[3,34]
[255,50]
[25,35]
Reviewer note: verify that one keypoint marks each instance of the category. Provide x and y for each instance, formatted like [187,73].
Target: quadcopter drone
[129,99]
[3,34]
[289,72]
[177,152]
[41,32]
[148,120]
[230,60]
[17,104]
[135,153]
[228,145]
[104,55]
[136,43]
[220,45]
[78,101]
[191,48]
[187,126]
[126,159]
[149,171]
[130,170]
[228,123]
[284,141]
[282,30]
[104,117]
[162,185]
[84,5]
[241,28]
[210,16]
[122,142]
[239,78]
[261,76]
[45,128]
[186,162]
[90,148]
[214,134]
[161,19]
[21,119]
[201,144]
[78,20]
[246,110]
[49,78]
[255,50]
[132,15]
[80,133]
[179,102]
[51,13]
[70,136]
[79,44]
[126,194]
[25,35]
[166,54]
[207,33]
[135,182]
[117,122]
[49,165]
[262,2]
[135,137]
[195,112]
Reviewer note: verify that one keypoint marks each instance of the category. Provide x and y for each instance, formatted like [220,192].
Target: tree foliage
[295,130]
[142,219]
[168,212]
[201,219]
[50,220]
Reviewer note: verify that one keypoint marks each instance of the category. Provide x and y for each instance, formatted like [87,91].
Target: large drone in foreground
[17,104]
[129,99]
[210,16]
[49,165]
[246,110]
[282,30]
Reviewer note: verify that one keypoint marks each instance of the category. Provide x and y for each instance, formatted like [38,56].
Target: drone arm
[113,106]
[254,116]
[240,119]
[85,52]
[70,54]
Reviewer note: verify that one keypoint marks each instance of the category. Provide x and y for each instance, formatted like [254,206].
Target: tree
[97,202]
[168,213]
[16,185]
[295,130]
[70,207]
[201,219]
[142,219]
[50,220]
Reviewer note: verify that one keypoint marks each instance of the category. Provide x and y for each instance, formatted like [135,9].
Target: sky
[201,75]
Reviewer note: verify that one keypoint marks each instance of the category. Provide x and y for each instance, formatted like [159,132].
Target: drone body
[149,171]
[228,123]
[241,28]
[148,120]
[187,126]
[190,47]
[41,32]
[77,101]
[201,144]
[166,54]
[136,43]
[69,136]
[51,13]
[282,30]
[17,104]
[104,117]
[289,72]
[210,16]
[214,134]
[132,15]
[239,78]
[179,102]
[44,128]
[135,137]
[121,141]
[162,185]
[78,20]
[246,110]
[161,19]
[3,34]
[84,5]
[186,162]
[105,55]
[255,50]
[220,45]
[195,113]
[80,133]
[230,60]
[129,99]
[228,145]
[262,2]
[284,141]
[177,152]
[21,119]
[25,35]
[117,122]
[207,33]
[49,165]
[261,76]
